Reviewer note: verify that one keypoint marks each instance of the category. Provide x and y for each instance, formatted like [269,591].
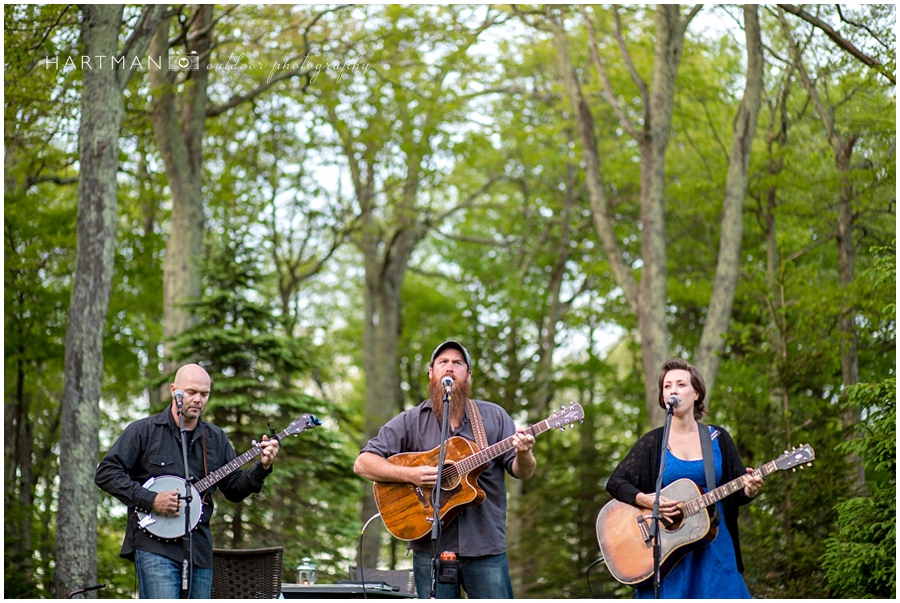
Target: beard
[458,397]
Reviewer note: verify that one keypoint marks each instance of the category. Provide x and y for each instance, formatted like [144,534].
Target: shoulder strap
[477,424]
[709,466]
[205,467]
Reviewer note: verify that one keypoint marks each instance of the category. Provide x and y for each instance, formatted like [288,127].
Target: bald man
[151,447]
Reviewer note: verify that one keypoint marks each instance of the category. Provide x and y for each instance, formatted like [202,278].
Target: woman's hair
[697,383]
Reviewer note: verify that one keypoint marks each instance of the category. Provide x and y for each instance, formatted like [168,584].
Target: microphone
[447,382]
[673,401]
[179,398]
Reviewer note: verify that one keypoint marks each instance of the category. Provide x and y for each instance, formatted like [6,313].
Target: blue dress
[711,571]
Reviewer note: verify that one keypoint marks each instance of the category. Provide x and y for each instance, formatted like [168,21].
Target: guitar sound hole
[673,524]
[450,481]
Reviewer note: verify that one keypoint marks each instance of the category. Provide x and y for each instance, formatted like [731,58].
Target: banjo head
[166,527]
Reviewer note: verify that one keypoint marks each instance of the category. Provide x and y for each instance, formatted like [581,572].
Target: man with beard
[478,534]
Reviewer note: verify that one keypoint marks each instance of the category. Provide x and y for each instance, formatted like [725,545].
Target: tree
[40,204]
[648,298]
[181,106]
[860,557]
[843,143]
[102,112]
[389,139]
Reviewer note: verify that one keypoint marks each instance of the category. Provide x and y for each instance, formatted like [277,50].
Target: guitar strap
[205,467]
[477,424]
[709,466]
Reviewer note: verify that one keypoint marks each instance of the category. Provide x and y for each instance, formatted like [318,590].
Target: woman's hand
[668,508]
[752,482]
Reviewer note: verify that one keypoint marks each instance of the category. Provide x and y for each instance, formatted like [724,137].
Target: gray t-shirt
[478,530]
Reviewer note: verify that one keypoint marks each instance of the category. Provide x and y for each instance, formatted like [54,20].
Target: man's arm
[378,469]
[524,464]
[113,472]
[242,483]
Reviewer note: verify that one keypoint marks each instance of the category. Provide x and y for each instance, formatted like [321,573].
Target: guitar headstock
[793,458]
[306,421]
[566,416]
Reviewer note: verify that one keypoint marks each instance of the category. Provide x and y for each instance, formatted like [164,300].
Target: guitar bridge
[644,529]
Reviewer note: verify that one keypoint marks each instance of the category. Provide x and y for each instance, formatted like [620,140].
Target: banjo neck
[230,467]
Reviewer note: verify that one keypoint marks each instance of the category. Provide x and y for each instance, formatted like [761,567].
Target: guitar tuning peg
[794,470]
[809,464]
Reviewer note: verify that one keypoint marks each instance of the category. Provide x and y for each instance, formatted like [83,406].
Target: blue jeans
[481,577]
[160,578]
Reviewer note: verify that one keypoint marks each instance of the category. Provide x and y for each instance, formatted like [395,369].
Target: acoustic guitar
[407,510]
[623,530]
[169,527]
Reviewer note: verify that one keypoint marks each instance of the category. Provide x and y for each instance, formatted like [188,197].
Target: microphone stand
[187,564]
[436,494]
[654,523]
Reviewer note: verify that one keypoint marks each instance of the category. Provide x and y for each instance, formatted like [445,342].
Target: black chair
[247,573]
[401,579]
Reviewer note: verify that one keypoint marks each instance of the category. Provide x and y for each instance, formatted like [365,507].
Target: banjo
[167,527]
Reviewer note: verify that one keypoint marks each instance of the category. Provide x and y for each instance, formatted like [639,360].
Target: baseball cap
[451,344]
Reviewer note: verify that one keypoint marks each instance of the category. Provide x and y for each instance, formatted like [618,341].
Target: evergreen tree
[261,378]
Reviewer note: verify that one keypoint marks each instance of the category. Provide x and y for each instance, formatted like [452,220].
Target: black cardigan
[638,470]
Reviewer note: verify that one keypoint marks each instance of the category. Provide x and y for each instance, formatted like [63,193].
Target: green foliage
[861,553]
[467,104]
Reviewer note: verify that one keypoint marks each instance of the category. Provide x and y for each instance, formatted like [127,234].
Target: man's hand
[269,450]
[524,464]
[167,503]
[523,442]
[422,476]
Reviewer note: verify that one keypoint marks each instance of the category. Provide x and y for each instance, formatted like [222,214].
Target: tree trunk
[718,316]
[543,374]
[843,151]
[846,323]
[648,299]
[653,291]
[102,112]
[381,334]
[180,142]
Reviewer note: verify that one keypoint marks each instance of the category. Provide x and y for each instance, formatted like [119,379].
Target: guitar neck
[227,469]
[491,452]
[713,496]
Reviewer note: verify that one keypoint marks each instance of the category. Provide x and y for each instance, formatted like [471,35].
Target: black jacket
[638,471]
[151,447]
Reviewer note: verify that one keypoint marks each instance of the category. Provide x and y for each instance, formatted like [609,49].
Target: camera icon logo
[184,62]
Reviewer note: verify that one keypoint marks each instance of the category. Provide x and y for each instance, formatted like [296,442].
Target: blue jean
[481,577]
[160,578]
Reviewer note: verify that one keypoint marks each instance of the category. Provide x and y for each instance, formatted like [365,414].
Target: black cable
[359,564]
[81,591]
[588,576]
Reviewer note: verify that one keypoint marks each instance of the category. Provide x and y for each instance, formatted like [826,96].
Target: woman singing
[715,570]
